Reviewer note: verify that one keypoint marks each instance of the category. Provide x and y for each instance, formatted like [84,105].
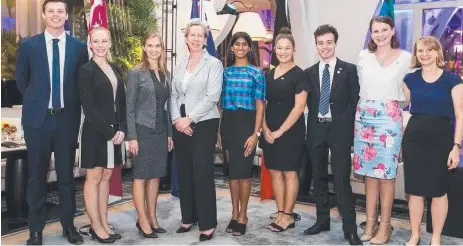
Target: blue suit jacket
[33,79]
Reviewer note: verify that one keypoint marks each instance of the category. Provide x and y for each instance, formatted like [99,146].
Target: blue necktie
[324,106]
[56,98]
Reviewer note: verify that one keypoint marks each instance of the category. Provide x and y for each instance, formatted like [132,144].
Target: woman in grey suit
[149,130]
[196,89]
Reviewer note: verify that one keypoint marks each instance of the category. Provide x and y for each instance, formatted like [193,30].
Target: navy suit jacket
[33,79]
[344,97]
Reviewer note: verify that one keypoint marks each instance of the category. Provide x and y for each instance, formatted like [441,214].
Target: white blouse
[382,83]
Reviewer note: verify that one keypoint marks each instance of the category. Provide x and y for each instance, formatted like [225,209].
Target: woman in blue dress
[430,147]
[242,102]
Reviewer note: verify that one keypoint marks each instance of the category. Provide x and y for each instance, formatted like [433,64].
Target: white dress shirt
[62,54]
[321,67]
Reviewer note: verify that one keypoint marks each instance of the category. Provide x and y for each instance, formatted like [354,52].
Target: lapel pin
[339,71]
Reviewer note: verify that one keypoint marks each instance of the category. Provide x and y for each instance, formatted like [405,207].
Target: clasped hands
[183,125]
[270,136]
[118,137]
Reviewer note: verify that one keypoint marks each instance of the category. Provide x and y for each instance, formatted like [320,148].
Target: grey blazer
[204,87]
[141,102]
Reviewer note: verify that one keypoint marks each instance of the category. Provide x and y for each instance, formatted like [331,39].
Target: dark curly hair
[324,29]
[386,20]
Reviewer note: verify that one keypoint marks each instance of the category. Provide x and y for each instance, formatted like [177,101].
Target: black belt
[52,111]
[325,120]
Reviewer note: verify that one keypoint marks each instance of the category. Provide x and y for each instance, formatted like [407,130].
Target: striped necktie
[325,92]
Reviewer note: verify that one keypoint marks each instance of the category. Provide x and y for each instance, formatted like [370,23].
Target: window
[446,24]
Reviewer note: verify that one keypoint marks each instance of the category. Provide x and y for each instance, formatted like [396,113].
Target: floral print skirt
[377,138]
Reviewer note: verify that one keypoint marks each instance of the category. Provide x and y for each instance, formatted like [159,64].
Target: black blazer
[344,97]
[96,95]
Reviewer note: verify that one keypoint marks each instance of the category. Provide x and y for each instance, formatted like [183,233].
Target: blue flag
[210,40]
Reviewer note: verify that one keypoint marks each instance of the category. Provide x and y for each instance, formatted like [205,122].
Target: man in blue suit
[46,74]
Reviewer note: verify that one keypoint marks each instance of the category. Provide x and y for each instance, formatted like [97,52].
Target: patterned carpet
[169,218]
[400,210]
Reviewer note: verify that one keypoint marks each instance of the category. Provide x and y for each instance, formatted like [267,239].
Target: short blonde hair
[196,22]
[429,42]
[109,57]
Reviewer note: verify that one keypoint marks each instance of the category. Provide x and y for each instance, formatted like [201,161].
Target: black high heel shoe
[140,231]
[98,238]
[116,236]
[159,230]
[184,229]
[205,237]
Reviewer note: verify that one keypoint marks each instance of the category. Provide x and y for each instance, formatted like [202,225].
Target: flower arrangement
[9,130]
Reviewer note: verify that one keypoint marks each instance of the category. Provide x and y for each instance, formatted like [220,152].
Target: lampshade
[251,23]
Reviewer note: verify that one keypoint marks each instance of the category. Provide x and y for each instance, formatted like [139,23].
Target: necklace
[381,63]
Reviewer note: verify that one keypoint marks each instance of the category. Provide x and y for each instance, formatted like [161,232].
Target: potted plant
[10,93]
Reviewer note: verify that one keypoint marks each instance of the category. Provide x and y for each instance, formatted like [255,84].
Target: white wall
[349,17]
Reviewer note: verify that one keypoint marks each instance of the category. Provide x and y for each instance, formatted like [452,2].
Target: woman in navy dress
[430,147]
[243,95]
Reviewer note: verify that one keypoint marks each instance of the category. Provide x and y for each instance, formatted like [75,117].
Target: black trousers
[341,167]
[58,137]
[195,165]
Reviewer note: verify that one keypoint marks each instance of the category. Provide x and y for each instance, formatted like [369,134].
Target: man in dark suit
[330,127]
[46,74]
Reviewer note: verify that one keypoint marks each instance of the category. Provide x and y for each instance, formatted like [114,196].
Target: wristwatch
[458,145]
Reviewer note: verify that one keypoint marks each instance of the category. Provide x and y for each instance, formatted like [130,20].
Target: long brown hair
[161,62]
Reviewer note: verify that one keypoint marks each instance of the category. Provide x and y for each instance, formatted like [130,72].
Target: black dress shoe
[205,237]
[317,228]
[73,236]
[35,238]
[353,238]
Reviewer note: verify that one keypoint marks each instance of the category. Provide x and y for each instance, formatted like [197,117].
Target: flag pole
[201,9]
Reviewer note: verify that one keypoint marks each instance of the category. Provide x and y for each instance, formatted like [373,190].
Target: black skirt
[236,127]
[426,145]
[96,151]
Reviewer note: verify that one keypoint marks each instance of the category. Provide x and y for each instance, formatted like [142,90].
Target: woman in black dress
[429,146]
[149,130]
[284,129]
[101,147]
